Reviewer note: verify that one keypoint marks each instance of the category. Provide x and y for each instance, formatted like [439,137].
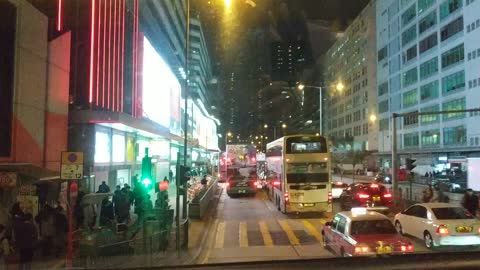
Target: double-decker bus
[299,174]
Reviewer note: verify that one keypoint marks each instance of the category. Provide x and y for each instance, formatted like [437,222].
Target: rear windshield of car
[373,189]
[381,226]
[451,213]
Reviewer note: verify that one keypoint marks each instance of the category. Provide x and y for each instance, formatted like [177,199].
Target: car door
[346,197]
[406,219]
[419,221]
[331,234]
[340,241]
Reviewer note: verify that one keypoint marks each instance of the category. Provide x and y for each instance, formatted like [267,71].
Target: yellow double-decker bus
[299,174]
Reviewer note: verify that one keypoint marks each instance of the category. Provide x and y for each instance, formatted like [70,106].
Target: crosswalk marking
[220,237]
[243,237]
[290,234]
[267,238]
[311,229]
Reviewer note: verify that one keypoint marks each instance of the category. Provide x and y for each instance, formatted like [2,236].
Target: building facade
[352,61]
[34,83]
[427,55]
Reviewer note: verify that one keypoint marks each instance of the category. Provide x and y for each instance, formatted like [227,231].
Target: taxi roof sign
[359,211]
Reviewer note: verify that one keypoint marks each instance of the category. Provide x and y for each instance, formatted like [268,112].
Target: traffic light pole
[394,160]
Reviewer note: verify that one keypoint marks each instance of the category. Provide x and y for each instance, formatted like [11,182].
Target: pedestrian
[46,224]
[61,228]
[170,175]
[26,237]
[204,180]
[116,199]
[103,188]
[166,179]
[470,202]
[4,246]
[428,194]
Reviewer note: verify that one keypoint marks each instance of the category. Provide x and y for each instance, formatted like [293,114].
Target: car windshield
[451,213]
[382,226]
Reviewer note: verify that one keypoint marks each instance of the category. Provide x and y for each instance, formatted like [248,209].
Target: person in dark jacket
[103,188]
[470,202]
[26,236]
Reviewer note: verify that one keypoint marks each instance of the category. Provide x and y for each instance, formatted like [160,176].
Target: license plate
[376,199]
[384,250]
[241,191]
[308,204]
[298,194]
[464,229]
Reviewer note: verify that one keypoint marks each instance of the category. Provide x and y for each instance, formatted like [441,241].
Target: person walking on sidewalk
[470,202]
[428,194]
[26,236]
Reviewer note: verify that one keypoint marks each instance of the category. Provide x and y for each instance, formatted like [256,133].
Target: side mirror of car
[328,224]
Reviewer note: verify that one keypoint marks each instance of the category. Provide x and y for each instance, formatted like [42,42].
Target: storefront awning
[121,121]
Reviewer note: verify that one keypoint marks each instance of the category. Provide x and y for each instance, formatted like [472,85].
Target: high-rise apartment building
[352,61]
[428,58]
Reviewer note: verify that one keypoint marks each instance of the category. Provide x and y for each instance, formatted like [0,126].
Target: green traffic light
[146,182]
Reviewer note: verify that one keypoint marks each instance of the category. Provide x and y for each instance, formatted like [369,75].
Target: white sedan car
[439,224]
[337,189]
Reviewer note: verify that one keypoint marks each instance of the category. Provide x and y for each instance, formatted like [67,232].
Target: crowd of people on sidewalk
[470,200]
[25,236]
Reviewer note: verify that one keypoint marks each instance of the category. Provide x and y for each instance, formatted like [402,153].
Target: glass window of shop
[102,147]
[118,147]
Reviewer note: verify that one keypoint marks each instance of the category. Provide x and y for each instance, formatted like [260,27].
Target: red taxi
[363,233]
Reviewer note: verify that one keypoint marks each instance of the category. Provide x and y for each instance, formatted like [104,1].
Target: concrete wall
[30,84]
[57,100]
[40,103]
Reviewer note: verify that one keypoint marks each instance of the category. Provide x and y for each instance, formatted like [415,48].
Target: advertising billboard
[161,89]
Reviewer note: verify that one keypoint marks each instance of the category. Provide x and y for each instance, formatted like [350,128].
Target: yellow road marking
[243,238]
[291,236]
[311,229]
[209,249]
[220,236]
[323,221]
[267,238]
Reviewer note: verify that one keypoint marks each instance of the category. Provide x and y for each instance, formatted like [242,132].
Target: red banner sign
[8,179]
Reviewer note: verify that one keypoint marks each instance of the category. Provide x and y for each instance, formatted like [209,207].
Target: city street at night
[251,228]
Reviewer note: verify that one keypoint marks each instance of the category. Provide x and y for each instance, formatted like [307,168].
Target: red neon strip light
[109,72]
[104,65]
[114,54]
[98,52]
[92,36]
[134,96]
[123,56]
[59,16]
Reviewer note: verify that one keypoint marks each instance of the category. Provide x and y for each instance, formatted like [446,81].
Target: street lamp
[339,87]
[229,134]
[284,125]
[265,126]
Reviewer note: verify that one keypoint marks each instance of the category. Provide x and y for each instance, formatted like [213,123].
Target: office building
[352,62]
[428,58]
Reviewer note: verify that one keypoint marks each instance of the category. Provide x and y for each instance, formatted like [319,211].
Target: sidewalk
[198,231]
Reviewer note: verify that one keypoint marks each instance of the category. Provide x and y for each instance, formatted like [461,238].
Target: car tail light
[339,183]
[227,184]
[374,185]
[442,230]
[330,197]
[406,248]
[362,250]
[363,195]
[276,183]
[387,195]
[285,195]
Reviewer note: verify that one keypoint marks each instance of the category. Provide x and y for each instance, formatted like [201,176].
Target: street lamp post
[339,87]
